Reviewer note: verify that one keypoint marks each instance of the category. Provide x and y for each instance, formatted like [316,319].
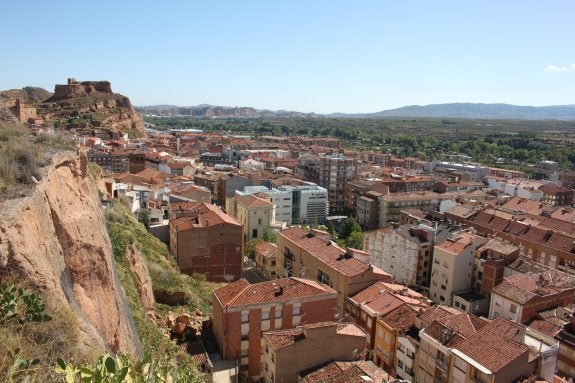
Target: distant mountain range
[454,110]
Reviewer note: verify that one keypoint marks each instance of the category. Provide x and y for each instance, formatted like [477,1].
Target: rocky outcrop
[143,279]
[91,105]
[57,241]
[80,89]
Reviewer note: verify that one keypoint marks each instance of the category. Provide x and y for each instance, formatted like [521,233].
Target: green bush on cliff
[124,229]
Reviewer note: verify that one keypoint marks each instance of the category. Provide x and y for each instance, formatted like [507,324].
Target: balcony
[441,364]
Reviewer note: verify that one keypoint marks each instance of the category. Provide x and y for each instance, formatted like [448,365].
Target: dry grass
[22,156]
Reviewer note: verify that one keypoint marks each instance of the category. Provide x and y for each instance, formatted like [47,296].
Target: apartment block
[406,251]
[380,299]
[335,170]
[266,259]
[287,353]
[437,340]
[295,203]
[312,254]
[501,352]
[242,311]
[389,326]
[391,205]
[553,248]
[355,189]
[520,297]
[452,267]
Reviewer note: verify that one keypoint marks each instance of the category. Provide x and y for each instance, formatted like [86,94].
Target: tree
[270,235]
[250,248]
[355,240]
[349,226]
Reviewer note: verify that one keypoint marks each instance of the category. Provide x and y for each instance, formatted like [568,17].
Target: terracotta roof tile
[544,327]
[266,249]
[494,346]
[326,251]
[524,287]
[401,318]
[290,288]
[437,312]
[251,201]
[344,372]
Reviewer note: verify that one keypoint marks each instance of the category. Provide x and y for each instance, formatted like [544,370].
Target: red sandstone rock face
[143,279]
[57,239]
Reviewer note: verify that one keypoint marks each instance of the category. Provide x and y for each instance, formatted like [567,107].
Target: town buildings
[334,171]
[453,266]
[207,241]
[286,353]
[254,213]
[242,311]
[315,256]
[406,251]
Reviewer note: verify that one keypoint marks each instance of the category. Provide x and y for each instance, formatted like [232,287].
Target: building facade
[242,311]
[207,241]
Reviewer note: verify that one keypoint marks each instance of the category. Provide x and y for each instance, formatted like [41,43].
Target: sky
[309,56]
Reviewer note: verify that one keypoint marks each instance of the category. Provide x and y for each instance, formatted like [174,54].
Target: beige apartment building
[286,353]
[391,205]
[254,213]
[452,267]
[312,255]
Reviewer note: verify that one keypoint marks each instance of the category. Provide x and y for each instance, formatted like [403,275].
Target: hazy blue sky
[321,56]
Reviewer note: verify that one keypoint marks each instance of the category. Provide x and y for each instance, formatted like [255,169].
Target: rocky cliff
[89,106]
[56,240]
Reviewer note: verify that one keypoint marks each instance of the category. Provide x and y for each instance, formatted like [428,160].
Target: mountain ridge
[447,110]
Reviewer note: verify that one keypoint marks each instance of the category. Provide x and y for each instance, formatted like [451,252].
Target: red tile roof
[266,249]
[346,372]
[282,338]
[400,318]
[494,346]
[544,327]
[524,287]
[326,251]
[531,233]
[242,293]
[251,201]
[437,312]
[204,215]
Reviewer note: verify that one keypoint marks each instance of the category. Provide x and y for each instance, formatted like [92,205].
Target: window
[259,221]
[255,233]
[296,310]
[278,312]
[265,315]
[513,309]
[400,364]
[368,322]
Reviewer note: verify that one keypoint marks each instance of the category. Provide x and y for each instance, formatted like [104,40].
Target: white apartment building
[295,204]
